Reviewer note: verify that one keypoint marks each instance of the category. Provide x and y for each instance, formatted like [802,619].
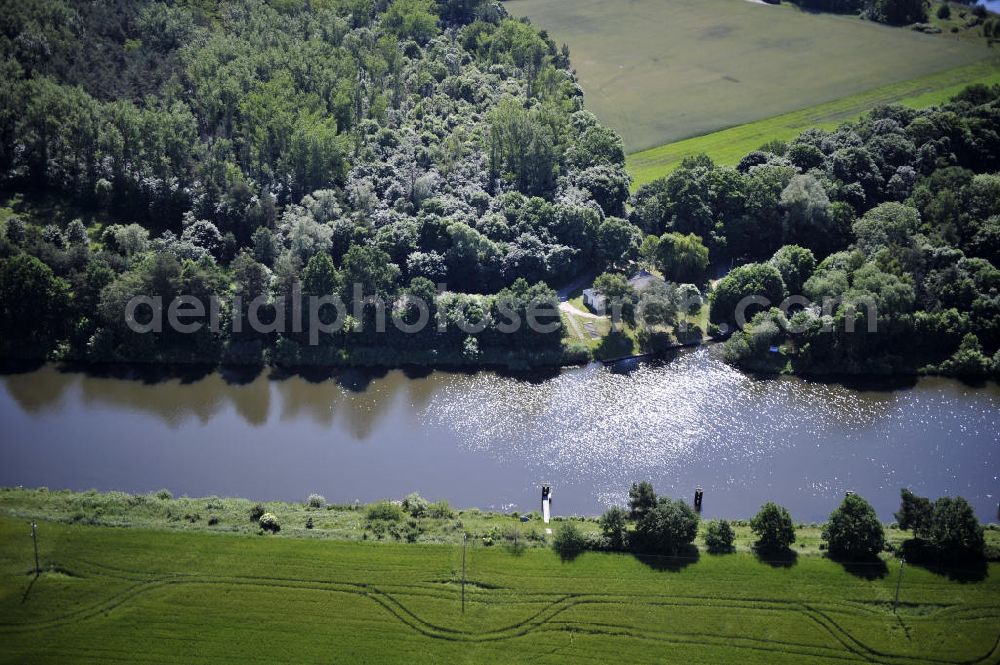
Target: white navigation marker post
[547,505]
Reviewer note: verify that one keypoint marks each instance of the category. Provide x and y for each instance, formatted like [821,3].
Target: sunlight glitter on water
[596,422]
[696,413]
[488,440]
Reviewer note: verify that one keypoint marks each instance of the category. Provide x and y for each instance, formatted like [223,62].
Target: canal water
[488,440]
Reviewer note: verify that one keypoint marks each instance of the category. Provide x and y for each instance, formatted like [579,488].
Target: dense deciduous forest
[900,210]
[244,146]
[244,149]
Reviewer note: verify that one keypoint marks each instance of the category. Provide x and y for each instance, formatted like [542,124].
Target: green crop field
[659,71]
[136,596]
[728,146]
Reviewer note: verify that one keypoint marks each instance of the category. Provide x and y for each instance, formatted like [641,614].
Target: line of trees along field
[945,531]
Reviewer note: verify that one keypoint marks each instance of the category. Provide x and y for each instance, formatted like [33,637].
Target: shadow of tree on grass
[784,558]
[956,568]
[867,569]
[672,563]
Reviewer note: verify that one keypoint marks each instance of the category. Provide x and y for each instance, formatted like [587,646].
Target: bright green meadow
[728,146]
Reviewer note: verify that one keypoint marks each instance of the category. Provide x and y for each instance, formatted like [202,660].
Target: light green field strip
[729,145]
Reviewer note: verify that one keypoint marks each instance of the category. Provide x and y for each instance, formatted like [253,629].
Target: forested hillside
[244,152]
[900,210]
[239,147]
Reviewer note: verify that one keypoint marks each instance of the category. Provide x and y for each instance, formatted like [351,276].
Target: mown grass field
[659,71]
[728,146]
[182,594]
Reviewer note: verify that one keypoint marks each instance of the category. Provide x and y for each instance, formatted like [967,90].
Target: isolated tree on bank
[915,513]
[948,524]
[614,528]
[668,527]
[853,530]
[641,499]
[415,504]
[268,522]
[773,527]
[955,531]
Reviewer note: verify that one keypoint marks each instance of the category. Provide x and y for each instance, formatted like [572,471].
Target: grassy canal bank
[411,519]
[190,591]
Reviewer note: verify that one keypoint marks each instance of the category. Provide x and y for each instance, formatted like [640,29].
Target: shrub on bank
[384,511]
[415,505]
[576,353]
[440,510]
[719,537]
[316,501]
[268,522]
[569,541]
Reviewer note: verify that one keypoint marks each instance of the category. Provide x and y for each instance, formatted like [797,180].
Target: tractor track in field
[548,618]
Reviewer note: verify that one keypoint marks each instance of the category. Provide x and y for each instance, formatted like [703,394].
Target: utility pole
[34,540]
[899,581]
[465,539]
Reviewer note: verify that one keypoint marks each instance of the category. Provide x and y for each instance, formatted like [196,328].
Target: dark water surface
[487,440]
